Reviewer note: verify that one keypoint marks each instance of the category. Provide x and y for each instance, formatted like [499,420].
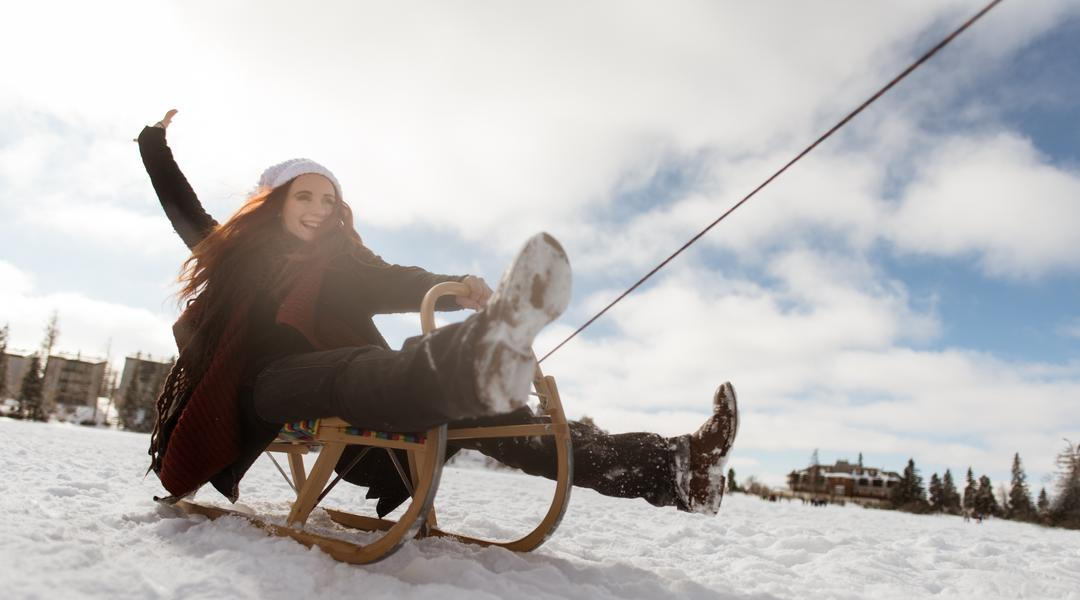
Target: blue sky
[909,290]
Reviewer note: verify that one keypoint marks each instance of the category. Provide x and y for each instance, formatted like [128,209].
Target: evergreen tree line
[978,498]
[750,485]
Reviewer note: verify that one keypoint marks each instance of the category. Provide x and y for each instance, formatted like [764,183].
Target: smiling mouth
[310,225]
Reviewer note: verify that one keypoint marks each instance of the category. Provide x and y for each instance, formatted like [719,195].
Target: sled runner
[425,451]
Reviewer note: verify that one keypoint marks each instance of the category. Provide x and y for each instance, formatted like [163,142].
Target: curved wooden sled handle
[427,306]
[550,403]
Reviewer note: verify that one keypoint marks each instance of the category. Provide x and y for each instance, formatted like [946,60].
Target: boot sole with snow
[533,292]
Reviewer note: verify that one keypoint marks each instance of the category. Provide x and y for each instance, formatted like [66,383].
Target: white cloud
[86,324]
[15,281]
[107,225]
[695,328]
[828,357]
[494,122]
[992,197]
[68,187]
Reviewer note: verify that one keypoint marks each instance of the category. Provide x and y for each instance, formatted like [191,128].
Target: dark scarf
[197,409]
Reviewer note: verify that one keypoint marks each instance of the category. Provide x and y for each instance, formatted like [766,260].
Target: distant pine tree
[909,493]
[52,332]
[1020,505]
[31,398]
[731,485]
[937,494]
[4,333]
[1043,504]
[950,496]
[985,502]
[969,491]
[815,470]
[1065,511]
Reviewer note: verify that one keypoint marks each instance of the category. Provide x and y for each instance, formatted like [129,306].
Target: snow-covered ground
[78,522]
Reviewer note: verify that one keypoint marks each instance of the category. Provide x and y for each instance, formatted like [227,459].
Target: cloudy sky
[909,290]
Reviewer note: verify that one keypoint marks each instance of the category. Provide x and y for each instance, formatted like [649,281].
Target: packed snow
[79,522]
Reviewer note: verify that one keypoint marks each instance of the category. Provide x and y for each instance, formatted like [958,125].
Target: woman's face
[308,203]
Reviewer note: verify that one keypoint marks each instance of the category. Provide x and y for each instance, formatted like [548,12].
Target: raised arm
[181,205]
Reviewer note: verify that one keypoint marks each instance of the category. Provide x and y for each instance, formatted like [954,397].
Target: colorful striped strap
[299,431]
[306,431]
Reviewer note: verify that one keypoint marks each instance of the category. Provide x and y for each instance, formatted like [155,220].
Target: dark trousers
[431,381]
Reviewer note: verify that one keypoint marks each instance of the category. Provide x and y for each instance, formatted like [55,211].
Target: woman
[278,328]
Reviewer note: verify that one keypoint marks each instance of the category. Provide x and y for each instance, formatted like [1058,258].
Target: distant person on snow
[277,327]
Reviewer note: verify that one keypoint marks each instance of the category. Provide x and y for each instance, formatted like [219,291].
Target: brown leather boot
[699,469]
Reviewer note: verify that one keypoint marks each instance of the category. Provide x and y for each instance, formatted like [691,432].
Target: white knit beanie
[294,167]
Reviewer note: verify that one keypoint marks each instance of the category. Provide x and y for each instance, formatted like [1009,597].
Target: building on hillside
[136,396]
[71,381]
[844,481]
[17,363]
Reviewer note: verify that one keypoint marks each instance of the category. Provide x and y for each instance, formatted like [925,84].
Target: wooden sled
[426,453]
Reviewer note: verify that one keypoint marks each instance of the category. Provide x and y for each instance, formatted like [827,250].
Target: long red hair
[252,252]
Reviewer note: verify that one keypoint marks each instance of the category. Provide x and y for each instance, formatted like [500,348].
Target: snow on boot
[702,455]
[533,292]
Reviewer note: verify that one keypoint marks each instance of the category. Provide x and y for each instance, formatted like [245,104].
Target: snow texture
[79,522]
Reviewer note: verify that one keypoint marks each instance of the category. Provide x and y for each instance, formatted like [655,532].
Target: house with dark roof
[844,481]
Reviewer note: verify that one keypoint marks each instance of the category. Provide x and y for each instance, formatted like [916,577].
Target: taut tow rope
[805,151]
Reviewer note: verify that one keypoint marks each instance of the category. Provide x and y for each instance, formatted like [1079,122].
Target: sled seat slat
[337,430]
[289,447]
[500,431]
